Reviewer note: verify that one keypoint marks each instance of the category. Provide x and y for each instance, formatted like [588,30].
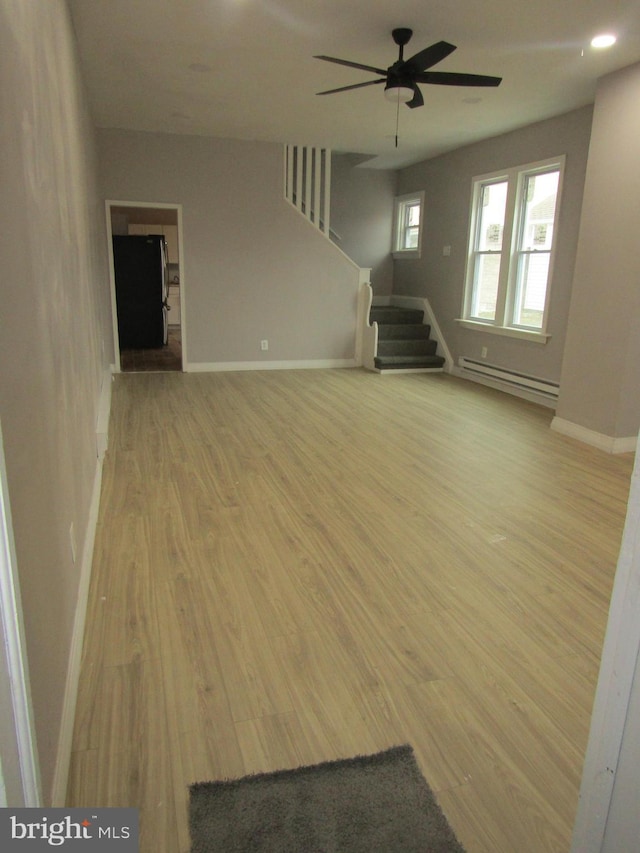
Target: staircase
[404,341]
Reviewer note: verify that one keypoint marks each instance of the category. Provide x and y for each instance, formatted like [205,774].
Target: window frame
[401,204]
[512,250]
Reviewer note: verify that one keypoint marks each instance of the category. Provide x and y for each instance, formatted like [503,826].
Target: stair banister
[369,331]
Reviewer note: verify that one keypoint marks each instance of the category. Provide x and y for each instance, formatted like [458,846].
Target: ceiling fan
[401,79]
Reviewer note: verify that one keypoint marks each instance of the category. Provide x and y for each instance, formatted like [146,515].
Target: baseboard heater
[510,377]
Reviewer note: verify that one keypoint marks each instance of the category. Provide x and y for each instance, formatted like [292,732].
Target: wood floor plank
[475,809]
[298,566]
[278,742]
[131,762]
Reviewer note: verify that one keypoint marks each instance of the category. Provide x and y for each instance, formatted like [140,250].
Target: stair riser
[396,315]
[427,347]
[408,331]
[398,362]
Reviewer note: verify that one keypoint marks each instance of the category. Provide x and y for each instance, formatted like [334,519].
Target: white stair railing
[307,183]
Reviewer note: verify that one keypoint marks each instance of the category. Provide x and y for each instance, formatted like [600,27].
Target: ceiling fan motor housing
[397,75]
[399,83]
[401,35]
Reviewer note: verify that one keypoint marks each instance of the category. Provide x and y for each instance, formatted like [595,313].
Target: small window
[511,246]
[408,222]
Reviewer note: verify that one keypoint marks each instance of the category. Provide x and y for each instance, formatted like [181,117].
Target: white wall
[446,181]
[55,337]
[253,267]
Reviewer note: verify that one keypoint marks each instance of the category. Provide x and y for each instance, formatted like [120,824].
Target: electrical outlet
[484,352]
[446,251]
[264,345]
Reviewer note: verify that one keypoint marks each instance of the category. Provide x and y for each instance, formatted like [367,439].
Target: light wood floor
[299,566]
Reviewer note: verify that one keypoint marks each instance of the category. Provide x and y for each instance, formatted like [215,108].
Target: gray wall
[446,181]
[55,325]
[362,215]
[601,370]
[253,267]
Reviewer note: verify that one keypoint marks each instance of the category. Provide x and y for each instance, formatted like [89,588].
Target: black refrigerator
[140,268]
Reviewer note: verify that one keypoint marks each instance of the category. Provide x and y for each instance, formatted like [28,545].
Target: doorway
[138,219]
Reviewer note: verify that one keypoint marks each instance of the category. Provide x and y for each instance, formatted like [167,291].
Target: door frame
[109,203]
[19,766]
[620,661]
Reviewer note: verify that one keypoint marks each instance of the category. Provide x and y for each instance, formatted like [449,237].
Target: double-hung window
[511,245]
[408,224]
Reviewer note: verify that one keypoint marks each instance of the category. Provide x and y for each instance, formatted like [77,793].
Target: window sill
[406,255]
[505,331]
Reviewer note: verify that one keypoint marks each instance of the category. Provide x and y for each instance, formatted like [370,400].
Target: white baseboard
[104,410]
[220,366]
[65,739]
[607,443]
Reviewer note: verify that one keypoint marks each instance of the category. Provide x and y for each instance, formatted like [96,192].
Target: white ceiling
[244,69]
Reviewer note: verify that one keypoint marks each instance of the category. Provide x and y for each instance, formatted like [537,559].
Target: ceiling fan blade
[352,64]
[417,100]
[430,56]
[446,78]
[355,86]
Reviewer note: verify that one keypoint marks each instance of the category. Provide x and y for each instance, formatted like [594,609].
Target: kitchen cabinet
[171,236]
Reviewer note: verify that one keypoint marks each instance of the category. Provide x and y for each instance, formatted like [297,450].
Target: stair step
[397,362]
[395,315]
[404,341]
[403,331]
[419,346]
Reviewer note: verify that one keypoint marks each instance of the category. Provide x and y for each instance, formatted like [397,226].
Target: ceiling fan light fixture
[398,94]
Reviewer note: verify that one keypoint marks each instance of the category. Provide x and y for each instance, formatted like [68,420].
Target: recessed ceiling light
[604,40]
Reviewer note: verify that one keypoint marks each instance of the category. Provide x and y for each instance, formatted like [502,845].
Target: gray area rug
[370,804]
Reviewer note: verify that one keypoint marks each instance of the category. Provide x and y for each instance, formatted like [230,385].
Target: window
[511,244]
[407,230]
